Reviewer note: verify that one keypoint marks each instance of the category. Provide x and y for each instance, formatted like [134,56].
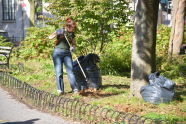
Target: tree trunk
[144,44]
[32,12]
[177,31]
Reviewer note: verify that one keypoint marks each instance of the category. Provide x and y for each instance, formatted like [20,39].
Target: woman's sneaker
[60,92]
[75,91]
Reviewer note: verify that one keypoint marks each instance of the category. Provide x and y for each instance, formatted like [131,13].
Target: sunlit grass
[114,94]
[167,117]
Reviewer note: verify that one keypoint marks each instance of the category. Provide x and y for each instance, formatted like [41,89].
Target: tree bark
[177,31]
[143,60]
[32,12]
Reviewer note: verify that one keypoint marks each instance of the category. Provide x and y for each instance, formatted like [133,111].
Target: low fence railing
[70,108]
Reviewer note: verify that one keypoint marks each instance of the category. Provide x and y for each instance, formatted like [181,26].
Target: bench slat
[4,52]
[8,48]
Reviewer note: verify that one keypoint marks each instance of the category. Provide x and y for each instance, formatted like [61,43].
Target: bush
[116,59]
[37,44]
[162,44]
[175,68]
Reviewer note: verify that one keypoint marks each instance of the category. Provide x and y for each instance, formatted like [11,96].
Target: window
[8,9]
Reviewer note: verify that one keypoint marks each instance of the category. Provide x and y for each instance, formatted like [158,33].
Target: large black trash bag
[159,90]
[92,71]
[81,81]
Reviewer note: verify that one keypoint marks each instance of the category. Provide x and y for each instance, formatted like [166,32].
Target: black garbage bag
[159,90]
[92,72]
[81,81]
[94,77]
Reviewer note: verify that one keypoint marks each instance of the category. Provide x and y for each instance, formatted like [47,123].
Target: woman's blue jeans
[61,57]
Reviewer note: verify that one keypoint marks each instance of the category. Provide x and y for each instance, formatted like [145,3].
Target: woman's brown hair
[70,24]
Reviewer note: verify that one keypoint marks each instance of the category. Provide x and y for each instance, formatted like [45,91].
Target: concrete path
[15,112]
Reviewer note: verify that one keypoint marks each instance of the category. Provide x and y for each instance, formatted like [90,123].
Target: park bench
[5,56]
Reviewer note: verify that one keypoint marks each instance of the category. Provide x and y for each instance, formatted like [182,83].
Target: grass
[114,94]
[169,117]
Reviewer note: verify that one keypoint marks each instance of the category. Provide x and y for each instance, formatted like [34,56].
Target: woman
[62,55]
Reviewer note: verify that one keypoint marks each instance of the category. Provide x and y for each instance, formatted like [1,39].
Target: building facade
[14,17]
[164,13]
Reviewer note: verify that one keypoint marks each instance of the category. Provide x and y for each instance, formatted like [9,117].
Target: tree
[144,44]
[177,31]
[95,20]
[32,12]
[35,7]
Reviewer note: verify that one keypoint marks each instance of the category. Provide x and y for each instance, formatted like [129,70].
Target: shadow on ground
[32,121]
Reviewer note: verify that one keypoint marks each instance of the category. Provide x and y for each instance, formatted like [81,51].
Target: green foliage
[96,19]
[171,69]
[96,35]
[36,44]
[116,59]
[170,118]
[175,69]
[162,44]
[3,41]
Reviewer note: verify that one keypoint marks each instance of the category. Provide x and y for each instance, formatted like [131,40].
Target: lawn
[40,74]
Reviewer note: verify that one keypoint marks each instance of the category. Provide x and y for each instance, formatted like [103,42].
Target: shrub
[162,44]
[175,68]
[116,59]
[37,44]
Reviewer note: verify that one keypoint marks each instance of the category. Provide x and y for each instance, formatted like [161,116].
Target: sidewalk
[15,112]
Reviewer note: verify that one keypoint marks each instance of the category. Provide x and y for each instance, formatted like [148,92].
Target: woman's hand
[52,35]
[72,49]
